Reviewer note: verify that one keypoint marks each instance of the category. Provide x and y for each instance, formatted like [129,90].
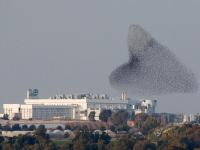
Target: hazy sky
[61,45]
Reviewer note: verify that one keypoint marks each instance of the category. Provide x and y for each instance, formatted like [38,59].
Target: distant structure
[190,118]
[32,94]
[145,106]
[73,106]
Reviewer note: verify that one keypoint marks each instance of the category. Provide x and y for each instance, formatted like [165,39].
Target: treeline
[186,137]
[150,132]
[17,127]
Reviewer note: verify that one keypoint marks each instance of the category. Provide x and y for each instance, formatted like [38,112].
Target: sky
[73,46]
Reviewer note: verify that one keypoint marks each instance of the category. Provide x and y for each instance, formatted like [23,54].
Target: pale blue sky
[62,45]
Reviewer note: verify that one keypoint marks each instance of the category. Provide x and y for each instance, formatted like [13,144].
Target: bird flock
[152,69]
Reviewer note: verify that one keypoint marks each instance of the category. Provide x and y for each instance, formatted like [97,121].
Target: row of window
[106,106]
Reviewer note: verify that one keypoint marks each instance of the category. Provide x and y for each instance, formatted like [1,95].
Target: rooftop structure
[73,106]
[146,106]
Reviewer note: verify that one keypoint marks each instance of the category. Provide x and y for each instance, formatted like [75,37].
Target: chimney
[124,96]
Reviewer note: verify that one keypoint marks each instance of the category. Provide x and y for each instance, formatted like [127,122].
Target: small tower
[32,94]
[28,93]
[124,96]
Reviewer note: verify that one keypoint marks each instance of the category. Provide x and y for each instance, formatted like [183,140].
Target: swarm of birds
[152,69]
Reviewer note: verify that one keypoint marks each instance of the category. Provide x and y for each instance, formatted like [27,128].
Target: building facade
[73,106]
[11,110]
[145,106]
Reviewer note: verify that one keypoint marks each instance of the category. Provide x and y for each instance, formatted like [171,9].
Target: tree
[67,127]
[6,127]
[66,146]
[41,131]
[1,139]
[24,127]
[81,140]
[6,146]
[140,119]
[142,145]
[102,128]
[5,117]
[105,137]
[92,116]
[51,146]
[150,146]
[105,114]
[59,128]
[188,142]
[79,145]
[120,117]
[16,127]
[164,120]
[23,141]
[112,128]
[32,127]
[148,124]
[123,143]
[36,147]
[101,145]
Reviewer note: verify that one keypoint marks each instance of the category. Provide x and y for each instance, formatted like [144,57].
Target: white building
[80,106]
[73,106]
[11,109]
[188,118]
[145,106]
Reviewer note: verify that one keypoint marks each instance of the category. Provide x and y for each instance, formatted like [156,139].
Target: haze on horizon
[73,46]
